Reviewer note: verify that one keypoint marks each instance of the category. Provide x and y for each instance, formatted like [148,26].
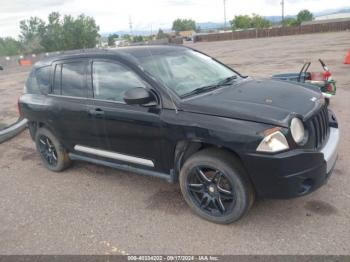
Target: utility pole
[282,4]
[130,25]
[224,14]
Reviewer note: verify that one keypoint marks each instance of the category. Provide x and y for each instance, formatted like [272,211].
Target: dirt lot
[96,210]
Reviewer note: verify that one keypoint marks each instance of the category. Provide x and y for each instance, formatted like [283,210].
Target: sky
[113,15]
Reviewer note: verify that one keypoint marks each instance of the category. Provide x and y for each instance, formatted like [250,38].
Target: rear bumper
[294,173]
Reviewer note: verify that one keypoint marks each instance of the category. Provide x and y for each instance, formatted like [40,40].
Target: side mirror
[138,96]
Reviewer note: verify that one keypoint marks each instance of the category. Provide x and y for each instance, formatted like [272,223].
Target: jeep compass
[178,114]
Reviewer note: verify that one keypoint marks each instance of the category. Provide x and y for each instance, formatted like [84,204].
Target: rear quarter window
[38,81]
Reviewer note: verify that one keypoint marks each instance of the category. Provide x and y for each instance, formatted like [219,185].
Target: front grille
[318,126]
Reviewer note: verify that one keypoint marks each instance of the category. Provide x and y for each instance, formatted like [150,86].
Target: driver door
[132,133]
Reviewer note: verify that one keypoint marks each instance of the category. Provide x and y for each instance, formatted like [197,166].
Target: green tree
[31,34]
[78,33]
[86,31]
[52,39]
[290,22]
[127,37]
[305,15]
[111,39]
[259,22]
[58,34]
[183,25]
[241,22]
[9,46]
[161,34]
[246,21]
[137,38]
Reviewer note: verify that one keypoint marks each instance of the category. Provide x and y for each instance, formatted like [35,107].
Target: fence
[19,60]
[272,32]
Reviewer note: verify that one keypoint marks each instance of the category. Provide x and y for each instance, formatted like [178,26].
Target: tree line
[59,33]
[67,32]
[258,22]
[245,22]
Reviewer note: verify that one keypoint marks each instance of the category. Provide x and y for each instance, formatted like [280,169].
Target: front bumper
[293,173]
[330,150]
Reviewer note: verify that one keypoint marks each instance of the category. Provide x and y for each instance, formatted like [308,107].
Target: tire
[229,194]
[51,151]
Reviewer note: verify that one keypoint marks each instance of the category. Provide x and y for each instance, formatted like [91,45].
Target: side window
[112,80]
[73,80]
[39,81]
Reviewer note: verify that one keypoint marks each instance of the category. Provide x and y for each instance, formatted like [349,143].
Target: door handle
[97,112]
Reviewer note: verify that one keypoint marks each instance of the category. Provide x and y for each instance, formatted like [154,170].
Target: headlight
[273,142]
[297,130]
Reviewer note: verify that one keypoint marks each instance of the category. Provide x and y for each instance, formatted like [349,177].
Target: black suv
[178,114]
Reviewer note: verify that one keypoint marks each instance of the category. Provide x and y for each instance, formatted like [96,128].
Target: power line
[130,24]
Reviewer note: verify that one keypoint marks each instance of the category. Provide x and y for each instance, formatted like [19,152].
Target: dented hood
[262,100]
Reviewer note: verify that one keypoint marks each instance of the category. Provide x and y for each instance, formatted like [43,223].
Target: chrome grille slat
[323,125]
[317,131]
[327,120]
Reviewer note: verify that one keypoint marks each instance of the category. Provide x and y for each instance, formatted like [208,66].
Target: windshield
[186,71]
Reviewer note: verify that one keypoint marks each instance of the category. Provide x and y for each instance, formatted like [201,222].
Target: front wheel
[216,187]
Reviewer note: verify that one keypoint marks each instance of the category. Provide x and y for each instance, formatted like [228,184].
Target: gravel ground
[96,210]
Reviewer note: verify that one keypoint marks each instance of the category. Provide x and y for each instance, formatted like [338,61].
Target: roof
[326,21]
[134,51]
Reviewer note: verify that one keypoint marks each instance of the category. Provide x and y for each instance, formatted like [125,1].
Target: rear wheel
[51,151]
[216,187]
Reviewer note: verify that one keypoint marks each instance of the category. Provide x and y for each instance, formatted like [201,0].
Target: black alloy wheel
[48,150]
[53,154]
[216,186]
[210,190]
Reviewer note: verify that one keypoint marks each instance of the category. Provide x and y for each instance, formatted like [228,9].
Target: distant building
[333,16]
[187,34]
[323,21]
[120,42]
[102,42]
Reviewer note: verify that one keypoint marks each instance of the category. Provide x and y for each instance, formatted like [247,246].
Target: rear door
[69,116]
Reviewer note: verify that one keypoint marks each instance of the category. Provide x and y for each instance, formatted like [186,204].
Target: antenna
[224,14]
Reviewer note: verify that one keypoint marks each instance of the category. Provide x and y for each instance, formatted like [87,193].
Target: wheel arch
[186,148]
[33,127]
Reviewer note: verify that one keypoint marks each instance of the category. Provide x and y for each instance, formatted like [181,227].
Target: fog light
[305,186]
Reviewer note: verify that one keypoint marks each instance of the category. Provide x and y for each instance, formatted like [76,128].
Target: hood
[262,100]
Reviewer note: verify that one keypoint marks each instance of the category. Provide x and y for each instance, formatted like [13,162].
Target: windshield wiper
[227,80]
[200,90]
[224,82]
